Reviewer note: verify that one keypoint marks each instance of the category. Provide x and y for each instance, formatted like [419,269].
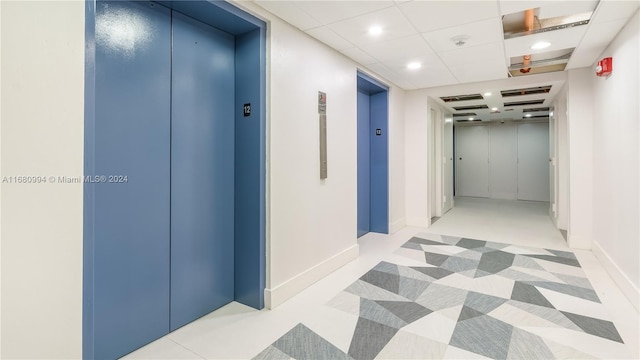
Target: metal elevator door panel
[202,170]
[132,134]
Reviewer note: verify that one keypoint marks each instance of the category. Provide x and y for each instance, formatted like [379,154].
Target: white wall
[616,157]
[562,158]
[580,134]
[312,222]
[42,135]
[397,203]
[417,161]
[418,107]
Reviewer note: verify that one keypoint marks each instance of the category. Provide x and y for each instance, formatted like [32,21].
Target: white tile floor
[238,332]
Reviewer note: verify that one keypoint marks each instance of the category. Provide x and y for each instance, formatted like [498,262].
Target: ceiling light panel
[375,30]
[540,45]
[356,29]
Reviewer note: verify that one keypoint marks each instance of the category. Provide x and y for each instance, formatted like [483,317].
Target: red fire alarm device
[605,66]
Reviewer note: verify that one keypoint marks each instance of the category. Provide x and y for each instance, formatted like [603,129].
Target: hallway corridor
[410,300]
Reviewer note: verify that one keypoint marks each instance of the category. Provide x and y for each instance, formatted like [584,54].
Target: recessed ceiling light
[494,109]
[527,115]
[375,30]
[551,113]
[470,118]
[487,94]
[414,65]
[540,45]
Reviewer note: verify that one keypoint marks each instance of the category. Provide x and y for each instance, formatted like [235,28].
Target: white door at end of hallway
[533,161]
[472,161]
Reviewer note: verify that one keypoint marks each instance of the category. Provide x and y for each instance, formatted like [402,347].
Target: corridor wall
[42,135]
[616,161]
[42,225]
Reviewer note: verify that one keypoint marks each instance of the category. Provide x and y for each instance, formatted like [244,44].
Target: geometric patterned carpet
[466,298]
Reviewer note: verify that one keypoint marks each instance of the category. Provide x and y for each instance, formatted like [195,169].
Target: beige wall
[42,135]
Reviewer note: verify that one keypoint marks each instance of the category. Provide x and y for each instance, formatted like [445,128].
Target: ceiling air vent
[472,107]
[465,114]
[536,109]
[535,117]
[526,91]
[468,121]
[524,103]
[462,97]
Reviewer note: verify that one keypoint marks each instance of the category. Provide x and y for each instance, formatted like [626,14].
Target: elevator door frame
[250,152]
[378,169]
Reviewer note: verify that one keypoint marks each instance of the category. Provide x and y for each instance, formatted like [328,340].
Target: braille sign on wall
[322,103]
[247,109]
[322,111]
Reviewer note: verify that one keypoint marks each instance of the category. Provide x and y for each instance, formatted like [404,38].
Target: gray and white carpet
[465,298]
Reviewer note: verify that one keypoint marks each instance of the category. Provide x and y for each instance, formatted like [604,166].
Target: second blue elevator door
[202,169]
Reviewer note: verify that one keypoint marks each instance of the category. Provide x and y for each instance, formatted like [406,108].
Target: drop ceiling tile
[614,10]
[289,12]
[559,39]
[432,73]
[433,15]
[478,33]
[595,41]
[551,9]
[405,48]
[359,56]
[393,23]
[477,63]
[330,38]
[327,12]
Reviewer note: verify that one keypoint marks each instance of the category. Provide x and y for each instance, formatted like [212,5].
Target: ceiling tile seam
[448,68]
[406,19]
[347,18]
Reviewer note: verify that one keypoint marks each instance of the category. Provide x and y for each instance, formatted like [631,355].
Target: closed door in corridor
[472,161]
[533,162]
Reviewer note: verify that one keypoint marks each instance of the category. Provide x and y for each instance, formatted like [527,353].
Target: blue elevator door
[132,137]
[364,164]
[202,170]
